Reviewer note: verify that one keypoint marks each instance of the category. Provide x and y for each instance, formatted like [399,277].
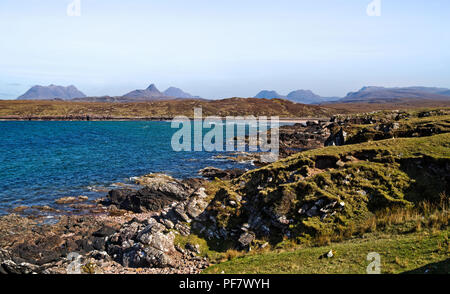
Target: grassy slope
[399,254]
[365,185]
[391,173]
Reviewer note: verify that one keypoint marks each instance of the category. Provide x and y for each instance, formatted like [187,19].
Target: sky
[218,49]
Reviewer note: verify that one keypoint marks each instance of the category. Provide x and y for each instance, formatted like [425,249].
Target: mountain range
[366,94]
[151,93]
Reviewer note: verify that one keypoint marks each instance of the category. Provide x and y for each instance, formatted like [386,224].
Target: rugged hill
[51,92]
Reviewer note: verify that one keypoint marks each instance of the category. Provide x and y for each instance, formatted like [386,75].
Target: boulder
[337,139]
[159,192]
[157,258]
[166,186]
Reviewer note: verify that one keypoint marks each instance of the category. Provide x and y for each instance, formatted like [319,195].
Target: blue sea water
[41,161]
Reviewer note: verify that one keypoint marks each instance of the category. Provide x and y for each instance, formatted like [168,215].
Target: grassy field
[423,252]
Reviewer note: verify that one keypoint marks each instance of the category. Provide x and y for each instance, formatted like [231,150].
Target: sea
[41,161]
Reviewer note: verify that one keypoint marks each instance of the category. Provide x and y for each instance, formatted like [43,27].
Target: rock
[117,197]
[246,239]
[330,254]
[159,193]
[105,231]
[211,173]
[320,202]
[135,258]
[157,258]
[162,242]
[183,229]
[314,211]
[164,185]
[70,200]
[194,248]
[245,227]
[168,223]
[10,267]
[340,163]
[153,228]
[143,200]
[99,255]
[179,209]
[283,220]
[303,209]
[337,139]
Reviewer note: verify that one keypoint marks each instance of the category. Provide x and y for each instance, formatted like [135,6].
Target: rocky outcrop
[337,139]
[159,191]
[150,243]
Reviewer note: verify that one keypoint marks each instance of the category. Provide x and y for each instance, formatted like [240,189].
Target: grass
[400,253]
[160,109]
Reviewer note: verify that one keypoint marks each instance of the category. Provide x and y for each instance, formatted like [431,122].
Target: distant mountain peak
[152,93]
[153,88]
[268,94]
[52,92]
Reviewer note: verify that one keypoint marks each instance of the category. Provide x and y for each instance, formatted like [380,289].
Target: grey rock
[183,229]
[246,239]
[194,248]
[157,258]
[314,211]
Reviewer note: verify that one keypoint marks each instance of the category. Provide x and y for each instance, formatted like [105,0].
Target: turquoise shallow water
[42,161]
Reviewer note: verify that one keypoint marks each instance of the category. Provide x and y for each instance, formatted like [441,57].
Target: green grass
[399,254]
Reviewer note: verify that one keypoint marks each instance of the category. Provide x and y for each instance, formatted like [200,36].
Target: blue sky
[219,49]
